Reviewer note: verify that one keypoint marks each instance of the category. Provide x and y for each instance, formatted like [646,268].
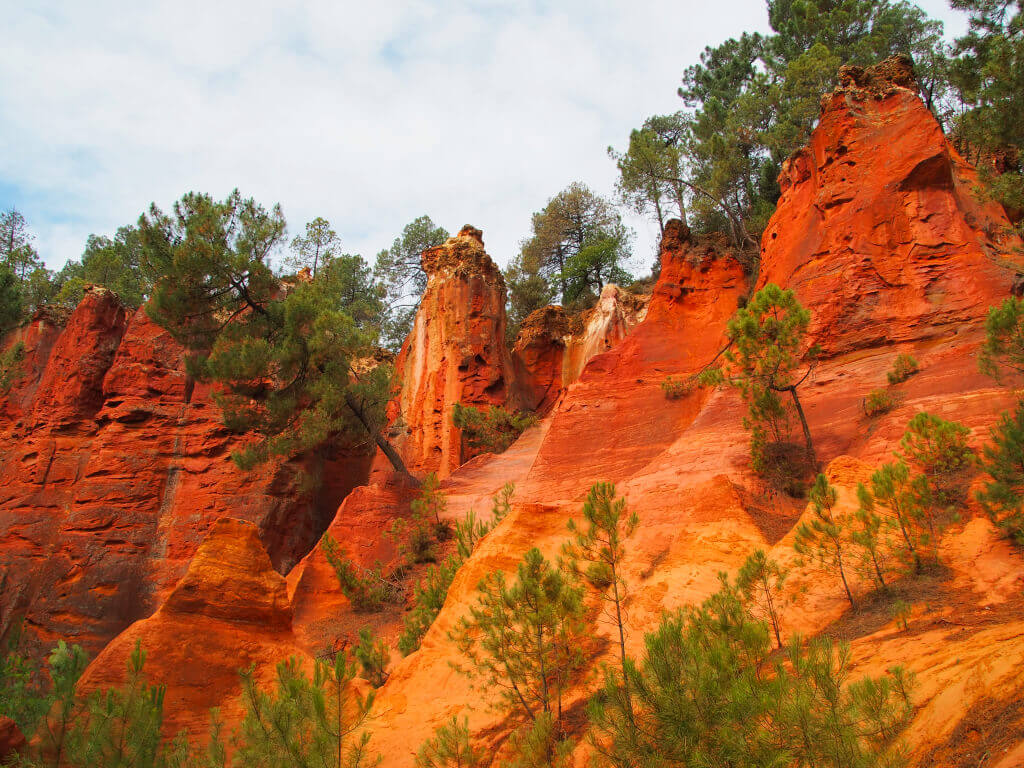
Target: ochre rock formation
[600,328]
[553,348]
[539,356]
[229,611]
[113,466]
[864,258]
[456,353]
[880,233]
[882,236]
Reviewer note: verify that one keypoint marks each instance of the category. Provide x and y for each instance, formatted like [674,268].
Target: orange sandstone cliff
[456,353]
[881,234]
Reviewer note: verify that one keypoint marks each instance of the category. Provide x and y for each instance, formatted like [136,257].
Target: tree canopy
[286,355]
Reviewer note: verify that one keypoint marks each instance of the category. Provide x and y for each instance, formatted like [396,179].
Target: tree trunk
[803,423]
[386,448]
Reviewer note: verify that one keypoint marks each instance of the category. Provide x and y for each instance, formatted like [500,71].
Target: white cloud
[367,113]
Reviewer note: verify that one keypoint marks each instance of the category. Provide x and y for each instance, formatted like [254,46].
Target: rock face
[878,228]
[552,348]
[113,467]
[600,328]
[456,353]
[879,233]
[228,612]
[539,355]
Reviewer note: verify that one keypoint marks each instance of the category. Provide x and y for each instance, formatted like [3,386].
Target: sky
[366,113]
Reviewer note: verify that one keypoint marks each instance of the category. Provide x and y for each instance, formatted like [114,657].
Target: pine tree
[450,747]
[904,499]
[305,723]
[539,744]
[596,551]
[578,244]
[281,355]
[1003,351]
[428,598]
[429,594]
[1002,497]
[870,536]
[824,537]
[319,245]
[21,696]
[10,299]
[760,581]
[373,657]
[399,273]
[938,450]
[123,726]
[525,639]
[708,693]
[431,505]
[766,352]
[366,588]
[56,732]
[651,169]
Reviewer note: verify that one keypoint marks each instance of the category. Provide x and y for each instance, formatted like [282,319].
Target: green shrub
[373,657]
[450,747]
[493,430]
[21,696]
[938,449]
[709,690]
[900,611]
[430,593]
[10,366]
[366,588]
[677,388]
[903,368]
[1002,497]
[303,721]
[428,596]
[879,401]
[470,530]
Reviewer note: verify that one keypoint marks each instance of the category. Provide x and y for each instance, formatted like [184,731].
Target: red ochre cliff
[114,467]
[881,234]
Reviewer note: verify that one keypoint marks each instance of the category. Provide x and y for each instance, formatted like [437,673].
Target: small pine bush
[373,657]
[469,531]
[428,596]
[903,368]
[493,430]
[675,389]
[430,593]
[366,588]
[900,611]
[879,401]
[1002,496]
[450,747]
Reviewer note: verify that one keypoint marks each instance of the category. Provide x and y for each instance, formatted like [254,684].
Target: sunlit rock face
[456,353]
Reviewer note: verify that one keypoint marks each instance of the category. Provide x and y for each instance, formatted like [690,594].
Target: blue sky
[369,114]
